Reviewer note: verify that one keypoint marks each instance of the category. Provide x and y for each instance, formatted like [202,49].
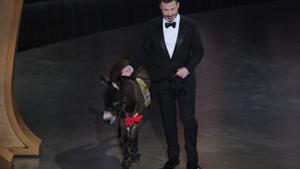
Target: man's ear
[104,79]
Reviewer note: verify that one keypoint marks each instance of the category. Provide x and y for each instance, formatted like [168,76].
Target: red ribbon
[129,121]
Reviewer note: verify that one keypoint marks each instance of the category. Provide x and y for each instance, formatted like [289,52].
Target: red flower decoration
[129,121]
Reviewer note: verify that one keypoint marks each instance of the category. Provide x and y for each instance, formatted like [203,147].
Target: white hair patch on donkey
[108,117]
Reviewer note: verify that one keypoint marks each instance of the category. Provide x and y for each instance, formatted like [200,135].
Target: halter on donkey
[128,99]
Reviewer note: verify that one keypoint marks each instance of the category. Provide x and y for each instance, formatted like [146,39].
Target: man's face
[169,10]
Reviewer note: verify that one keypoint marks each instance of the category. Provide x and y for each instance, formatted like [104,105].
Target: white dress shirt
[170,35]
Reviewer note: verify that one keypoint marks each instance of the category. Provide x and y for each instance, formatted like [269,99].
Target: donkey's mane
[115,71]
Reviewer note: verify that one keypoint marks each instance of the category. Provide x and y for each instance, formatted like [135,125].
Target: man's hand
[182,72]
[127,71]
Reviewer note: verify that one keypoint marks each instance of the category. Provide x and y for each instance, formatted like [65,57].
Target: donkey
[126,99]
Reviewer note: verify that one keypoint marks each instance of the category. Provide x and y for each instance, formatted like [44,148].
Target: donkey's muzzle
[109,117]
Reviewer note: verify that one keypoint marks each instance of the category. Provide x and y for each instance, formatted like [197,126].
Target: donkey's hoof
[135,157]
[126,164]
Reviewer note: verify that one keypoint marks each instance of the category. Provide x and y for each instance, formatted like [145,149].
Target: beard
[170,18]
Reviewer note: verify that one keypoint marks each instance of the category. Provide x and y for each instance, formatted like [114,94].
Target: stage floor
[248,95]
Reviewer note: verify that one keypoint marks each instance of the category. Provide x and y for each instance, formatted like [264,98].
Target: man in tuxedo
[170,52]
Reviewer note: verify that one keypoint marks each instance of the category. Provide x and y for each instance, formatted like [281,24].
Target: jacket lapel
[180,36]
[162,39]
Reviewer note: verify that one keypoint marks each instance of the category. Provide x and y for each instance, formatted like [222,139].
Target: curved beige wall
[15,137]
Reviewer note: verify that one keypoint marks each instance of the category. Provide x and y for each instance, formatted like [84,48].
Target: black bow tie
[173,24]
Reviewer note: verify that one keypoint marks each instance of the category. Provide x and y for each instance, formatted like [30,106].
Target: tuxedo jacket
[154,56]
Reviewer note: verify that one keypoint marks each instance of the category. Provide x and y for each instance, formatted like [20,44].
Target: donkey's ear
[104,79]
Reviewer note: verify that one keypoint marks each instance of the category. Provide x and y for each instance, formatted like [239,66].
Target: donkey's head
[120,98]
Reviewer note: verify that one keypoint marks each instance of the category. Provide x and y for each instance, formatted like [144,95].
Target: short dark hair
[168,1]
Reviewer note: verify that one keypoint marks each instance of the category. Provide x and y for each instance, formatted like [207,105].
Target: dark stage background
[48,21]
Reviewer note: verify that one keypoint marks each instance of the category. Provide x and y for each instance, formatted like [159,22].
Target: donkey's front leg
[134,149]
[126,163]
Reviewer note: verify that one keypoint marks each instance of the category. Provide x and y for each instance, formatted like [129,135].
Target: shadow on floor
[91,156]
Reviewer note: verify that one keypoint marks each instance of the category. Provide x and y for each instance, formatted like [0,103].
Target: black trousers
[168,98]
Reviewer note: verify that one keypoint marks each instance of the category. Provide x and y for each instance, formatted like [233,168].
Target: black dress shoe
[171,164]
[193,166]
